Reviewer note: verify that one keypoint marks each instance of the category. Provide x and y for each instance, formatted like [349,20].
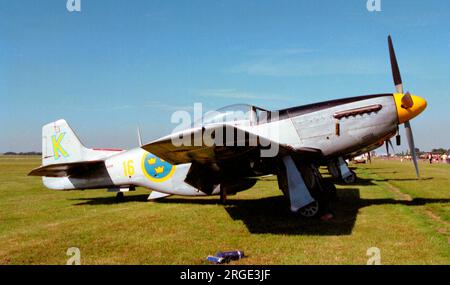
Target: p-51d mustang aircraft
[306,137]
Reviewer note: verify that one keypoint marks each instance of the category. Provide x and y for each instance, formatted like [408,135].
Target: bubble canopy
[238,113]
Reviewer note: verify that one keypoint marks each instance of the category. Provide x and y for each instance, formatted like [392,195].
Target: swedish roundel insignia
[155,168]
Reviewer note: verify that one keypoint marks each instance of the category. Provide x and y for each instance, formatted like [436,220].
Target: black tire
[324,194]
[309,177]
[330,190]
[119,197]
[311,210]
[351,178]
[333,169]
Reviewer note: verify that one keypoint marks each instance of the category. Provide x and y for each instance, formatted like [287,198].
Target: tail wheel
[119,197]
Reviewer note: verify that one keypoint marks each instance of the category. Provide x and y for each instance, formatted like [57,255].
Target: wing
[224,154]
[205,145]
[218,143]
[67,169]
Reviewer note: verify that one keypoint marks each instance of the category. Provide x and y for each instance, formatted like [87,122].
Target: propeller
[407,103]
[389,143]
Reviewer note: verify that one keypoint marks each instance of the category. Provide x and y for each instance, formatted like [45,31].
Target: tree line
[22,153]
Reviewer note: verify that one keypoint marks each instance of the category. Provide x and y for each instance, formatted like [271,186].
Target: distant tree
[418,152]
[23,153]
[438,151]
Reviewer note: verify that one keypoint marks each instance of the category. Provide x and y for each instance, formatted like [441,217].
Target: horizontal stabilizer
[67,169]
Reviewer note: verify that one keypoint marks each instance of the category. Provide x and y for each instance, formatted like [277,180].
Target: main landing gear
[339,170]
[308,193]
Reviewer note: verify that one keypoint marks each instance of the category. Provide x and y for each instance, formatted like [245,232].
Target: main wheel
[310,211]
[351,178]
[330,190]
[309,177]
[333,169]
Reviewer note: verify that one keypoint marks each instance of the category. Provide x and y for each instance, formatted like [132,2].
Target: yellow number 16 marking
[128,168]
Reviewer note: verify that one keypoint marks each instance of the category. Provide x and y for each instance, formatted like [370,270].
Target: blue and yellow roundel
[155,168]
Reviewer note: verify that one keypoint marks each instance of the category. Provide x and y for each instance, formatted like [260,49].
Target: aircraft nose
[406,113]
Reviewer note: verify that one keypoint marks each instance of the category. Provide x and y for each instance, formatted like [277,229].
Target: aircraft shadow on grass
[270,215]
[370,181]
[109,200]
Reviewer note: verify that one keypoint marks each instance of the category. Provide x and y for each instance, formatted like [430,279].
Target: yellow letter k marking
[57,148]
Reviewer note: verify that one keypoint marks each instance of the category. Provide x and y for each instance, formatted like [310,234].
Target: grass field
[408,220]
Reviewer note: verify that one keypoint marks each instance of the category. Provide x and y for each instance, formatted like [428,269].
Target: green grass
[387,208]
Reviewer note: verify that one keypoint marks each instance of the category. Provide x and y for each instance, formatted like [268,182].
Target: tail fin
[60,144]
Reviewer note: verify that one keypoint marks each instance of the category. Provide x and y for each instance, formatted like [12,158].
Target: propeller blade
[390,144]
[387,148]
[412,149]
[394,66]
[407,101]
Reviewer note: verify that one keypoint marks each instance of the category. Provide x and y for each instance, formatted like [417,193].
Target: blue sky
[119,64]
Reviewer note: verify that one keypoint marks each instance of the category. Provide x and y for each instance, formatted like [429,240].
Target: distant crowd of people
[444,158]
